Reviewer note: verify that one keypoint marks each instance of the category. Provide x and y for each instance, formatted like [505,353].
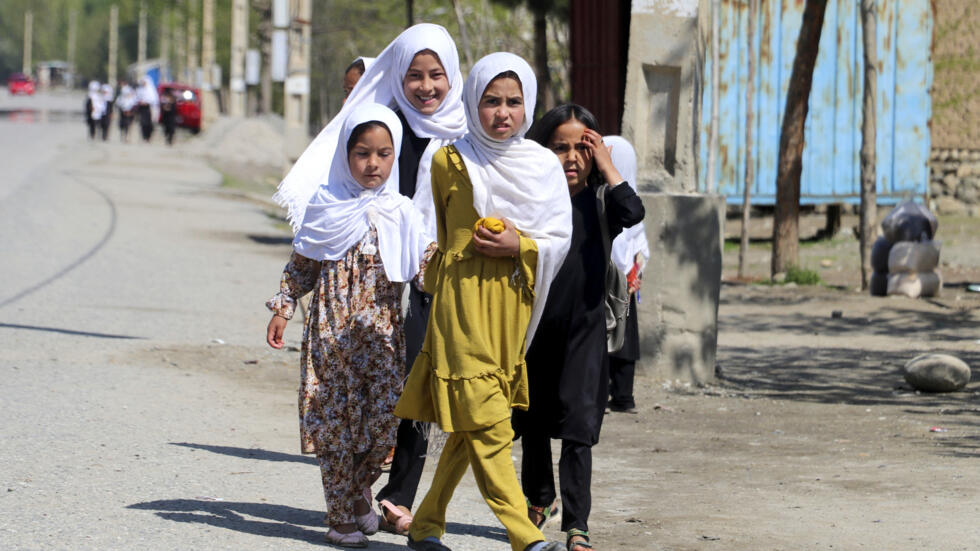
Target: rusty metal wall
[831,160]
[599,39]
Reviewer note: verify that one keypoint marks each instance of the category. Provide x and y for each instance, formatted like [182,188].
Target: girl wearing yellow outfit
[489,290]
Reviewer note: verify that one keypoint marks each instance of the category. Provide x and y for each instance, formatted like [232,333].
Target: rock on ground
[937,373]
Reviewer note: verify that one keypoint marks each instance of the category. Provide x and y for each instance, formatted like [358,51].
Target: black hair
[507,74]
[543,128]
[358,64]
[364,127]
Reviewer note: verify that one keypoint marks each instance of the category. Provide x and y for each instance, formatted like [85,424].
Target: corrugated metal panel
[599,38]
[831,159]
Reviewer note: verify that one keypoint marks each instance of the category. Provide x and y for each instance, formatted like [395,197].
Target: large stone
[969,191]
[678,313]
[949,206]
[937,373]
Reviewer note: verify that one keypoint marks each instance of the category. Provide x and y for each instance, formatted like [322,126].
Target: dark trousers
[411,444]
[621,374]
[574,477]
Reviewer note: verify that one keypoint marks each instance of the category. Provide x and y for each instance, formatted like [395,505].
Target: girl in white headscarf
[359,242]
[127,108]
[503,219]
[629,253]
[418,76]
[109,96]
[94,107]
[148,102]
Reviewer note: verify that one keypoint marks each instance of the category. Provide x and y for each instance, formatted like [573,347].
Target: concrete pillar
[192,58]
[239,41]
[296,110]
[141,35]
[111,75]
[180,42]
[678,313]
[209,98]
[28,41]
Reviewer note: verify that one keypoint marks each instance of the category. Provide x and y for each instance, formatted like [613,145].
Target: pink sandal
[402,522]
[354,539]
[368,522]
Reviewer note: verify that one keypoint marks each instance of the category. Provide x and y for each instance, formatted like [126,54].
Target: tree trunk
[743,246]
[546,95]
[463,38]
[869,195]
[409,13]
[785,231]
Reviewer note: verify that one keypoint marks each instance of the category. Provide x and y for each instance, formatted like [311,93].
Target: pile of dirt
[255,141]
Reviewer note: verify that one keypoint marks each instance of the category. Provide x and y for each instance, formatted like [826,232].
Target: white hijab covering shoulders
[97,99]
[127,98]
[517,178]
[108,93]
[382,83]
[632,240]
[342,211]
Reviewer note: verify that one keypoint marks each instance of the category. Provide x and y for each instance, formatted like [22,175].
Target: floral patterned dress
[352,366]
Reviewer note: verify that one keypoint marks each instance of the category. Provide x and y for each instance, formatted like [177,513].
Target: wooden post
[743,246]
[141,35]
[239,41]
[869,195]
[209,88]
[786,231]
[113,44]
[28,41]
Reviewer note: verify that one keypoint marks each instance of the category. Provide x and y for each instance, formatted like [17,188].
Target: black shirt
[408,160]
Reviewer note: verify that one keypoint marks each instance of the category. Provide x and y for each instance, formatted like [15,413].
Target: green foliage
[802,276]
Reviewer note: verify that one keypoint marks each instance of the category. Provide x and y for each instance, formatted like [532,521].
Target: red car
[188,104]
[19,83]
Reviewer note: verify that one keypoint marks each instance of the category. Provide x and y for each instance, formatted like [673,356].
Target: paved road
[140,407]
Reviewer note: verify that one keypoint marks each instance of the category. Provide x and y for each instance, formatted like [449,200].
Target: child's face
[371,157]
[501,108]
[350,80]
[574,154]
[425,83]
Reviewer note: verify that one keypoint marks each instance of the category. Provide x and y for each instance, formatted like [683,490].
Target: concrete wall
[678,311]
[659,115]
[956,61]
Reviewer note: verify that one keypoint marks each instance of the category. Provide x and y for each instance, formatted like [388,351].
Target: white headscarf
[127,98]
[342,210]
[382,83]
[147,93]
[367,61]
[518,179]
[633,240]
[108,93]
[97,99]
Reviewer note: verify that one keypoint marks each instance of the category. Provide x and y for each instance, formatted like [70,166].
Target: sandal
[400,521]
[578,545]
[545,513]
[354,539]
[367,523]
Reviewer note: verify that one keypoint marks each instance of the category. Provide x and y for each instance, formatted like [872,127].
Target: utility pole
[296,110]
[72,34]
[166,28]
[209,101]
[192,42]
[113,44]
[28,40]
[141,36]
[180,42]
[239,41]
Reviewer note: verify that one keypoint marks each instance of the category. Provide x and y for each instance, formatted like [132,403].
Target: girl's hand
[601,156]
[505,243]
[274,333]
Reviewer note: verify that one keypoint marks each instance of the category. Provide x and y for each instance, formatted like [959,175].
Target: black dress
[568,375]
[411,442]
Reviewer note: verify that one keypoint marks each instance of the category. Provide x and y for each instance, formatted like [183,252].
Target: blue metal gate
[831,158]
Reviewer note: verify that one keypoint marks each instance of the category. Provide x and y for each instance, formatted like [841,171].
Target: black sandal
[547,512]
[583,545]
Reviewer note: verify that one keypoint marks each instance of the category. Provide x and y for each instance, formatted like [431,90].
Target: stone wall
[956,61]
[954,181]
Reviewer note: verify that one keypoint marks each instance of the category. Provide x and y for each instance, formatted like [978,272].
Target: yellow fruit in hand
[492,224]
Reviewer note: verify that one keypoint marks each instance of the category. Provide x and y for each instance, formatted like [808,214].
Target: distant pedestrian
[504,220]
[148,106]
[109,95]
[94,108]
[168,115]
[630,253]
[359,242]
[568,363]
[126,103]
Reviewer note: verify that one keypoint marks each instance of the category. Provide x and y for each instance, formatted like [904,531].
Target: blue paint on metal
[831,157]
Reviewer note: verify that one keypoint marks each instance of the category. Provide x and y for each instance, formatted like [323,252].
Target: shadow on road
[251,453]
[278,521]
[68,331]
